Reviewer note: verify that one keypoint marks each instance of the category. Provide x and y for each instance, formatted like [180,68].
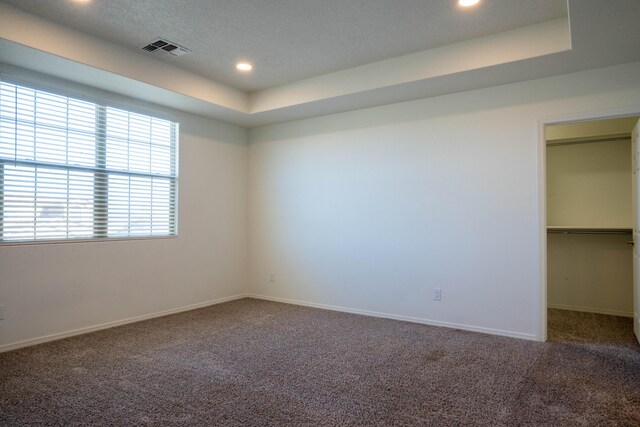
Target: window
[71,169]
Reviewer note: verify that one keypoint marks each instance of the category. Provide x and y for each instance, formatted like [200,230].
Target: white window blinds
[71,169]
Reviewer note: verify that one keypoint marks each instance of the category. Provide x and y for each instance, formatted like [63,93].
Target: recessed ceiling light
[81,1]
[467,3]
[244,66]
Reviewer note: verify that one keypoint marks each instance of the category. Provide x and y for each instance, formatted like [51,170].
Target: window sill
[67,241]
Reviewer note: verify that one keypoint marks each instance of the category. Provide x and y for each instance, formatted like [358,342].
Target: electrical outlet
[1,312]
[272,277]
[437,294]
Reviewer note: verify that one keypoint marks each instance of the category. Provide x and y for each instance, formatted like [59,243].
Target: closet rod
[618,232]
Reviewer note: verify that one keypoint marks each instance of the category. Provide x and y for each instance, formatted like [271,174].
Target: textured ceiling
[290,40]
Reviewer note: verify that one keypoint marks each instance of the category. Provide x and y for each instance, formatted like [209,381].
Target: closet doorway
[591,171]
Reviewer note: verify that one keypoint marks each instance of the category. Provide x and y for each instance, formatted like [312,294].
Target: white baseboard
[80,331]
[421,320]
[591,310]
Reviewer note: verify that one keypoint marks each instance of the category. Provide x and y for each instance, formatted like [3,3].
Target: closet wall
[589,185]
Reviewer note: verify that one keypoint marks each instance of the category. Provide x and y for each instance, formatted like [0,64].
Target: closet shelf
[562,229]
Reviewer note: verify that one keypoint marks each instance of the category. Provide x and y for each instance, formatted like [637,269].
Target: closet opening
[592,224]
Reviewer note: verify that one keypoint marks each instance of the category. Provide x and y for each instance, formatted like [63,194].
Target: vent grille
[164,47]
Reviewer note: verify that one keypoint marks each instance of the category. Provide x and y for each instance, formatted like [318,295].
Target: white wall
[369,210]
[592,273]
[589,184]
[50,289]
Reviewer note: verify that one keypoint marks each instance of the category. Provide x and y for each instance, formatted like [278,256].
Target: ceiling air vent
[164,47]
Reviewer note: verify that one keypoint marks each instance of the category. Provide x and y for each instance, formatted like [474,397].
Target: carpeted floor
[251,362]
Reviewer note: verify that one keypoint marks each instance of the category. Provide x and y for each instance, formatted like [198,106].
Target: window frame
[100,202]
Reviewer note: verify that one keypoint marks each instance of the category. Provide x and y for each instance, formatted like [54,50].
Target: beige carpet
[260,363]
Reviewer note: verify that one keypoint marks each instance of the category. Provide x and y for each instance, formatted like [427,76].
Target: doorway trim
[542,195]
